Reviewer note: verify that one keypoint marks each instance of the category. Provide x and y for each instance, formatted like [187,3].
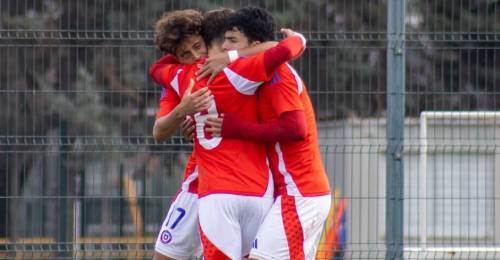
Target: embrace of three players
[254,186]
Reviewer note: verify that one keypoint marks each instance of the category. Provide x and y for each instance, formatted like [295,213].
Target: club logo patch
[165,237]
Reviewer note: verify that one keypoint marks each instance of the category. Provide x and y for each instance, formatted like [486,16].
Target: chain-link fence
[81,176]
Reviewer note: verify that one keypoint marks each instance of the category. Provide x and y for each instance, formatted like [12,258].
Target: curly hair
[256,23]
[214,25]
[174,27]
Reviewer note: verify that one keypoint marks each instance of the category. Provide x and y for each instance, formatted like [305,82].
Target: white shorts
[229,224]
[292,229]
[179,237]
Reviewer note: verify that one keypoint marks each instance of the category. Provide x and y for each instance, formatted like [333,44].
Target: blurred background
[82,178]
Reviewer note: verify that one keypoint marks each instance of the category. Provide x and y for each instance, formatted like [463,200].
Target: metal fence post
[63,188]
[395,128]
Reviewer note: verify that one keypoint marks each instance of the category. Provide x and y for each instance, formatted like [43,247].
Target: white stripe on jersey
[175,82]
[300,85]
[291,187]
[190,179]
[243,85]
[270,182]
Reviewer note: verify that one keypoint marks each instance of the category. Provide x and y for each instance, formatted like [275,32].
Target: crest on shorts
[165,237]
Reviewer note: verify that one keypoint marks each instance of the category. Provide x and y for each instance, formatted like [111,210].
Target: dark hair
[256,23]
[174,27]
[214,25]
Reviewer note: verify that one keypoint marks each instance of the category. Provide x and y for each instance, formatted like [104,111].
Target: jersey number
[204,138]
[182,212]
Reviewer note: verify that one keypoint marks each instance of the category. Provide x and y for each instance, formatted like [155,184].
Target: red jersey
[296,165]
[233,166]
[165,73]
[226,165]
[190,180]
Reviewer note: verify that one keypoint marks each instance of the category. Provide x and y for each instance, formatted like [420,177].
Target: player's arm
[252,50]
[288,49]
[165,126]
[291,126]
[213,65]
[163,70]
[259,67]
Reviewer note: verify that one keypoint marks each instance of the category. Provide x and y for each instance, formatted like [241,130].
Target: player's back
[234,166]
[296,165]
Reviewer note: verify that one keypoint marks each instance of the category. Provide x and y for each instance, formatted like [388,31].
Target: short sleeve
[285,99]
[251,68]
[284,91]
[164,70]
[168,101]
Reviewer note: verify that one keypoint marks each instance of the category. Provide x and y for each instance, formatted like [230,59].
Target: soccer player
[234,184]
[178,237]
[293,227]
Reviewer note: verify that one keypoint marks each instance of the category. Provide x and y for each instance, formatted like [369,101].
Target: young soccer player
[178,33]
[292,228]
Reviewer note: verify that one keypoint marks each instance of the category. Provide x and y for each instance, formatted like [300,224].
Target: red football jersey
[296,165]
[190,180]
[233,166]
[166,73]
[225,165]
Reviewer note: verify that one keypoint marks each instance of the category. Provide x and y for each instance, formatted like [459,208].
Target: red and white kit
[293,226]
[235,187]
[178,237]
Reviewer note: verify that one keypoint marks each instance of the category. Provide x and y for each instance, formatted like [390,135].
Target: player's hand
[215,125]
[195,102]
[288,32]
[187,128]
[212,66]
